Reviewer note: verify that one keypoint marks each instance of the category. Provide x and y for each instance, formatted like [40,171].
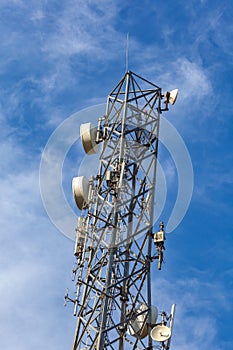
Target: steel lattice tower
[114,236]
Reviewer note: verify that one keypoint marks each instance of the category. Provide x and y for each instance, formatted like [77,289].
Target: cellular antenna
[127,53]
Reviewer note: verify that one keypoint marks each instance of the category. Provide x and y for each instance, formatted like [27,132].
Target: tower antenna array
[114,235]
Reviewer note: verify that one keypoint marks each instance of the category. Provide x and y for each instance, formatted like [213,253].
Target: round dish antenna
[88,133]
[138,327]
[80,188]
[170,97]
[160,333]
[173,96]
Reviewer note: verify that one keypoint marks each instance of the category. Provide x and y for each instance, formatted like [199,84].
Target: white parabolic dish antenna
[173,96]
[160,333]
[139,326]
[80,187]
[88,133]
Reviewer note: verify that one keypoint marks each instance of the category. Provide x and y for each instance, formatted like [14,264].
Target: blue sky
[57,58]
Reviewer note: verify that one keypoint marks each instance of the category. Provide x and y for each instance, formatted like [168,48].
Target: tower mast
[114,236]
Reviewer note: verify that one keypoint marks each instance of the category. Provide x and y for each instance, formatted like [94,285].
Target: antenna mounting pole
[127,53]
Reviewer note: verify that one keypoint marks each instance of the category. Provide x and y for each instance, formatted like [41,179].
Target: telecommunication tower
[115,240]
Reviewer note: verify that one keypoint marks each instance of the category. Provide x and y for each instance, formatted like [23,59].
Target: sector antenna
[116,243]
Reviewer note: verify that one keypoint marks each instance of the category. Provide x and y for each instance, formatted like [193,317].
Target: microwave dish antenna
[88,133]
[160,333]
[80,188]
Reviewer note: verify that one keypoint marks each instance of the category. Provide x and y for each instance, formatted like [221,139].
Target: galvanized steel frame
[113,271]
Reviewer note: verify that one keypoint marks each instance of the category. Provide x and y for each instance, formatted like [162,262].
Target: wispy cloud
[84,27]
[30,285]
[192,79]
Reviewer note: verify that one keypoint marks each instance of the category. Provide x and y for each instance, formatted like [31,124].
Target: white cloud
[31,254]
[37,15]
[194,83]
[48,43]
[84,27]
